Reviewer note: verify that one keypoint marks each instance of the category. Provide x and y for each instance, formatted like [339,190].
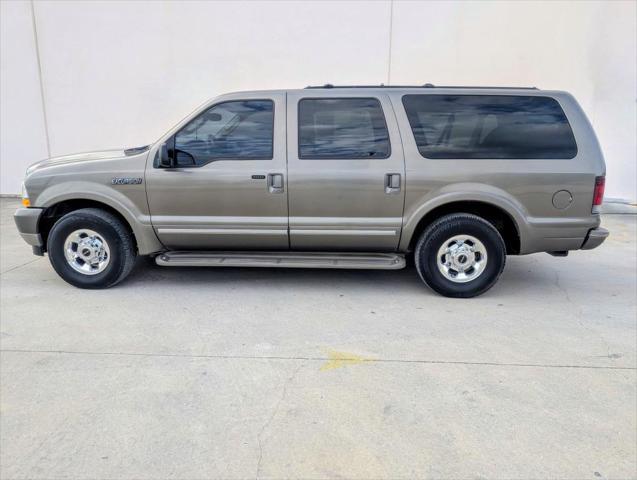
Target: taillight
[598,193]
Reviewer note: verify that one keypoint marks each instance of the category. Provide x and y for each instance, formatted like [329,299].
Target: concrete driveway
[250,373]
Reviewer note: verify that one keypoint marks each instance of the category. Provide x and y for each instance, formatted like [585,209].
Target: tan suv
[332,177]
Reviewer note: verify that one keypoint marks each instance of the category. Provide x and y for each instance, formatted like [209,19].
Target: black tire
[111,229]
[436,234]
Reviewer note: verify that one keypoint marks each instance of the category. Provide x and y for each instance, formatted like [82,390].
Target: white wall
[120,73]
[22,131]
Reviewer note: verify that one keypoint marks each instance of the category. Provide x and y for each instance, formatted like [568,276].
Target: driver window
[236,130]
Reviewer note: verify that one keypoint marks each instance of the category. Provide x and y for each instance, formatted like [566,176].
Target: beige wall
[120,73]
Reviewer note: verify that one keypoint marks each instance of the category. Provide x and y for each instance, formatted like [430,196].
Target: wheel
[460,255]
[91,248]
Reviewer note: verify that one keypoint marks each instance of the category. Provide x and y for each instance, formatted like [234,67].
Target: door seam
[287,171]
[402,148]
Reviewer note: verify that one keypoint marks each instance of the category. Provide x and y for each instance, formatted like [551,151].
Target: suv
[332,177]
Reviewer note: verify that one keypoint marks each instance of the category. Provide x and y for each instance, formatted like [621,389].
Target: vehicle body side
[522,190]
[87,180]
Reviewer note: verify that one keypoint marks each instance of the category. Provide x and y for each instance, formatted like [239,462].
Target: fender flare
[466,193]
[139,222]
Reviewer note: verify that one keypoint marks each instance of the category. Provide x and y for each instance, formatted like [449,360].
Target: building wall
[22,130]
[118,74]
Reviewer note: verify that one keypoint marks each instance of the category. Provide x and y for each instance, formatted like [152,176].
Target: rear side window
[342,128]
[489,126]
[236,130]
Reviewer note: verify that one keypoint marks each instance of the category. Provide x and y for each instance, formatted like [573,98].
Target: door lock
[392,183]
[275,182]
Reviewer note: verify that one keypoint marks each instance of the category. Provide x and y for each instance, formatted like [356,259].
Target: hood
[87,157]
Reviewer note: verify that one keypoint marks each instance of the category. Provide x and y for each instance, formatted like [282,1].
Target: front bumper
[26,219]
[595,238]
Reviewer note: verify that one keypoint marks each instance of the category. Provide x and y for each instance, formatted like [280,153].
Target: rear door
[346,171]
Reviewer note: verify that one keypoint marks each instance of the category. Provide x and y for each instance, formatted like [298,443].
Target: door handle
[275,182]
[392,183]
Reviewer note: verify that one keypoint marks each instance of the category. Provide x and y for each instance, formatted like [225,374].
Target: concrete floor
[249,373]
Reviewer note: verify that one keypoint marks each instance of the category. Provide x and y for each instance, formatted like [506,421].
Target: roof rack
[426,85]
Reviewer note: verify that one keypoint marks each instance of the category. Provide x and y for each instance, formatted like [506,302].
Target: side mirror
[165,161]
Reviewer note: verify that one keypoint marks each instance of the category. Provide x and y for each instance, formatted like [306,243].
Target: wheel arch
[128,204]
[55,211]
[502,219]
[55,207]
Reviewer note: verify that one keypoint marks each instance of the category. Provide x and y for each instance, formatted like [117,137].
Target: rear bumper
[595,238]
[26,219]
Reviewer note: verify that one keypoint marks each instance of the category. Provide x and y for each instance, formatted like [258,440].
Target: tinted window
[489,126]
[342,128]
[240,130]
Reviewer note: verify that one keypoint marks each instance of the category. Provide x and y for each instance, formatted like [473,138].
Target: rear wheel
[460,255]
[91,248]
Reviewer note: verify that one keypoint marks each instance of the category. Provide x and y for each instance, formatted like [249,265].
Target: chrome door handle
[392,183]
[275,182]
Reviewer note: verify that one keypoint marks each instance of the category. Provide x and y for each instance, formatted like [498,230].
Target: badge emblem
[126,181]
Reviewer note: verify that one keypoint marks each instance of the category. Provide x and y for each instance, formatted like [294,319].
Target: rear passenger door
[346,172]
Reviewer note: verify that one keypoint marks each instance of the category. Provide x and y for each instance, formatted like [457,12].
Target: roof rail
[479,87]
[329,85]
[426,85]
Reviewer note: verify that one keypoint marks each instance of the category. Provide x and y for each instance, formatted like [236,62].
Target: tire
[441,254]
[109,241]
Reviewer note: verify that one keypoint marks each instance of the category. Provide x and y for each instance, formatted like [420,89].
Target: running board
[380,261]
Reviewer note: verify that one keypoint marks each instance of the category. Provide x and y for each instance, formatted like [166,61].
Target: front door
[346,172]
[228,188]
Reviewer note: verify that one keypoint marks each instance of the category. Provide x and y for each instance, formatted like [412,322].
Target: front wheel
[91,248]
[460,255]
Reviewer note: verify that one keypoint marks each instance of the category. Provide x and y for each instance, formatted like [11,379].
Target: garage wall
[120,73]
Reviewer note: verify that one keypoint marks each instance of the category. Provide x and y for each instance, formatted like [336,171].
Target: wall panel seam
[41,81]
[391,28]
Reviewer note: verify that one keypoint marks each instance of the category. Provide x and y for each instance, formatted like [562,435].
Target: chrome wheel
[87,252]
[462,258]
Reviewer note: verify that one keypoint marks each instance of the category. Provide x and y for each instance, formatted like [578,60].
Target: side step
[380,261]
